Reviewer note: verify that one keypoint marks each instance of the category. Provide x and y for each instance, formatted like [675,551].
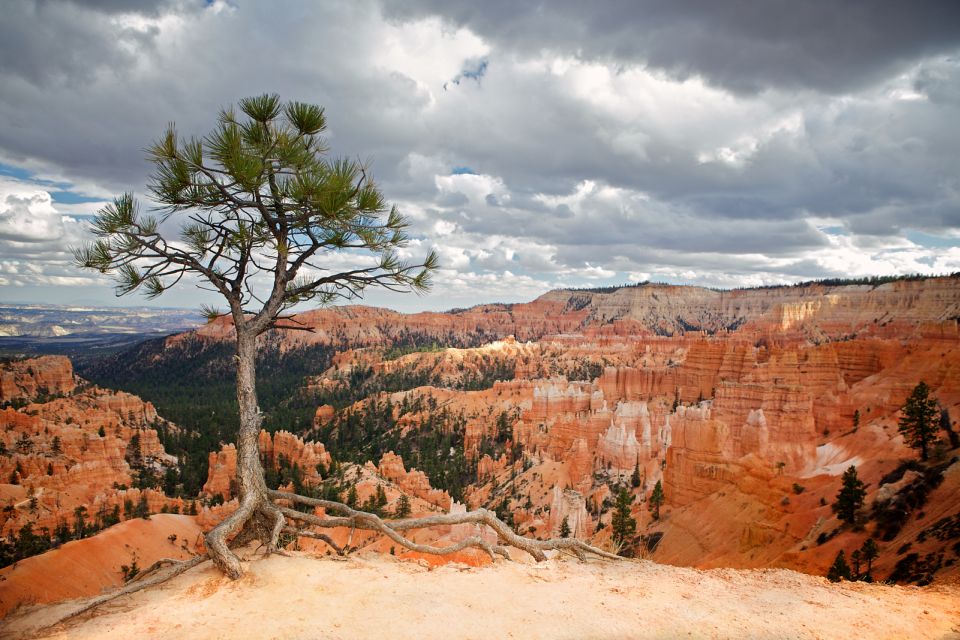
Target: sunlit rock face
[72,446]
[28,379]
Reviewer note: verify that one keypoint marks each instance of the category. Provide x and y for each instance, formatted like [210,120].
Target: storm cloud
[534,145]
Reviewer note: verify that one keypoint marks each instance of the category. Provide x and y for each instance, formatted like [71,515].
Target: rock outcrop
[75,447]
[26,380]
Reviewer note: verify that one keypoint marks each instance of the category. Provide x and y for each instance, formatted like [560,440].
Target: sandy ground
[377,596]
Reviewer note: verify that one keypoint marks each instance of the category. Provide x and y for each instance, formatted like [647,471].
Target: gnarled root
[391,528]
[256,518]
[138,584]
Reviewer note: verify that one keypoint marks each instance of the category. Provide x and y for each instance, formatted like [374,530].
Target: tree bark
[256,517]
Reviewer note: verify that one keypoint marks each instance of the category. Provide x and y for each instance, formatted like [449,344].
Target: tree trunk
[256,517]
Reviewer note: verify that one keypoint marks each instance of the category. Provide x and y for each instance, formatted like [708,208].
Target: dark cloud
[742,45]
[560,144]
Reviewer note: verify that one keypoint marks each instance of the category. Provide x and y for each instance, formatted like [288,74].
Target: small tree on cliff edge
[919,422]
[839,569]
[260,207]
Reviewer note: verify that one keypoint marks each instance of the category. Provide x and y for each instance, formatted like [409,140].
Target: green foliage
[868,553]
[24,444]
[192,383]
[80,529]
[24,544]
[351,499]
[170,480]
[656,500]
[635,478]
[623,524]
[436,447]
[130,571]
[919,422]
[850,497]
[402,510]
[565,528]
[839,569]
[504,513]
[259,184]
[891,514]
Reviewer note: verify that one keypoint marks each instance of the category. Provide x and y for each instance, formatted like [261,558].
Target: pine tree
[635,478]
[79,522]
[919,424]
[351,500]
[381,497]
[255,211]
[56,447]
[565,528]
[402,509]
[24,444]
[622,523]
[850,497]
[839,570]
[855,559]
[869,552]
[656,500]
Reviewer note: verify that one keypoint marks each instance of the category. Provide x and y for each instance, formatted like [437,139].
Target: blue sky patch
[930,240]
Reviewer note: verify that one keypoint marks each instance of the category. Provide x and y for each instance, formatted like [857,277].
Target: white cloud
[29,216]
[594,162]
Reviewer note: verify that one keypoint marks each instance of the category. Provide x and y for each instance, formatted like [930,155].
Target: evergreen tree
[79,522]
[856,419]
[56,447]
[351,500]
[62,531]
[919,422]
[142,509]
[102,432]
[869,552]
[255,210]
[623,524]
[170,482]
[135,452]
[635,477]
[402,509]
[565,528]
[855,559]
[839,569]
[850,497]
[656,500]
[381,497]
[24,443]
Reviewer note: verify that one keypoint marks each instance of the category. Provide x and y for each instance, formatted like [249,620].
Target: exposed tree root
[316,536]
[391,528]
[138,584]
[250,520]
